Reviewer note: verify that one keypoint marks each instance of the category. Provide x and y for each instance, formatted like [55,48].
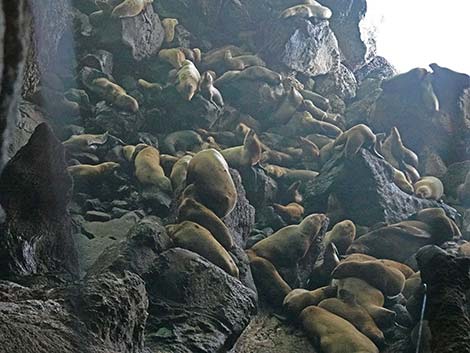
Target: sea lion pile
[168,135]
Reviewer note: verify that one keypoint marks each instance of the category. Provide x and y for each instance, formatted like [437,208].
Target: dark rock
[105,314]
[100,60]
[360,110]
[260,188]
[137,252]
[117,212]
[267,334]
[184,316]
[35,190]
[378,68]
[91,216]
[356,43]
[340,81]
[455,176]
[365,190]
[300,45]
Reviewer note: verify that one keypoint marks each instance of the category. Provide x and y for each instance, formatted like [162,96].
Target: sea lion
[291,213]
[260,73]
[406,270]
[319,139]
[174,56]
[304,123]
[208,91]
[412,284]
[290,175]
[278,158]
[188,78]
[213,184]
[290,244]
[241,62]
[149,86]
[114,94]
[335,334]
[308,10]
[130,8]
[84,142]
[441,227]
[387,279]
[429,187]
[400,180]
[342,235]
[310,153]
[179,172]
[317,99]
[267,279]
[357,137]
[196,238]
[87,171]
[148,170]
[289,105]
[316,112]
[395,152]
[182,141]
[298,299]
[246,155]
[191,210]
[346,307]
[371,299]
[194,55]
[169,25]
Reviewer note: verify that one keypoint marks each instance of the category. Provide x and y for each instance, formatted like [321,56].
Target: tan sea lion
[188,78]
[174,56]
[406,270]
[278,158]
[194,55]
[411,285]
[429,187]
[241,62]
[208,91]
[130,8]
[213,184]
[298,299]
[87,171]
[288,245]
[387,279]
[84,142]
[114,94]
[196,238]
[149,86]
[316,112]
[310,153]
[179,172]
[191,210]
[291,213]
[169,25]
[290,175]
[346,307]
[148,170]
[395,152]
[335,334]
[304,123]
[246,155]
[289,105]
[357,137]
[342,235]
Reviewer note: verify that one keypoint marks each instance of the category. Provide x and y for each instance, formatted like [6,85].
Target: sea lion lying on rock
[429,187]
[298,299]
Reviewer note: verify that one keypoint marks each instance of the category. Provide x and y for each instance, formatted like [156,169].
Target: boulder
[378,68]
[35,190]
[364,188]
[340,81]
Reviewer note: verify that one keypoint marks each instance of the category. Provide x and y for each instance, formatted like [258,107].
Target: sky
[416,33]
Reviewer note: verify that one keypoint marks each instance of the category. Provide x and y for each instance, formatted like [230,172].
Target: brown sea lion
[182,141]
[114,94]
[84,142]
[406,270]
[148,170]
[289,105]
[342,235]
[246,155]
[298,299]
[174,56]
[357,137]
[291,213]
[87,171]
[317,99]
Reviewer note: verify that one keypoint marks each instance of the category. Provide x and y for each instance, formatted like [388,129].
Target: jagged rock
[35,190]
[194,305]
[92,216]
[105,314]
[97,236]
[355,40]
[261,189]
[365,190]
[340,82]
[137,252]
[378,68]
[455,176]
[267,334]
[300,45]
[359,111]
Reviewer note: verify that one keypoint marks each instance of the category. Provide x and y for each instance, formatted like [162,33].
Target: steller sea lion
[179,172]
[260,73]
[289,105]
[395,152]
[247,155]
[174,56]
[213,184]
[278,158]
[114,94]
[412,284]
[241,62]
[208,91]
[196,238]
[169,25]
[308,10]
[429,187]
[182,141]
[191,210]
[290,213]
[342,235]
[290,244]
[303,123]
[84,142]
[400,180]
[298,299]
[357,137]
[317,99]
[346,306]
[406,270]
[188,78]
[194,55]
[148,170]
[336,335]
[87,171]
[292,194]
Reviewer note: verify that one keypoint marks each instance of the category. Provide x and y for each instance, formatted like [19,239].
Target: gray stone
[340,81]
[92,216]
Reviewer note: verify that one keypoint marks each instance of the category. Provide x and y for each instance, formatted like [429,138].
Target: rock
[365,190]
[299,45]
[91,216]
[360,110]
[35,190]
[455,176]
[340,81]
[97,236]
[137,252]
[184,316]
[105,314]
[378,68]
[356,42]
[267,334]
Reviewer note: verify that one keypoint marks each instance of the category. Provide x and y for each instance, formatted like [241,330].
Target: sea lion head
[313,224]
[126,102]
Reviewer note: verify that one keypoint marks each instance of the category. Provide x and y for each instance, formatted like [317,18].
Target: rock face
[35,190]
[364,189]
[194,305]
[85,317]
